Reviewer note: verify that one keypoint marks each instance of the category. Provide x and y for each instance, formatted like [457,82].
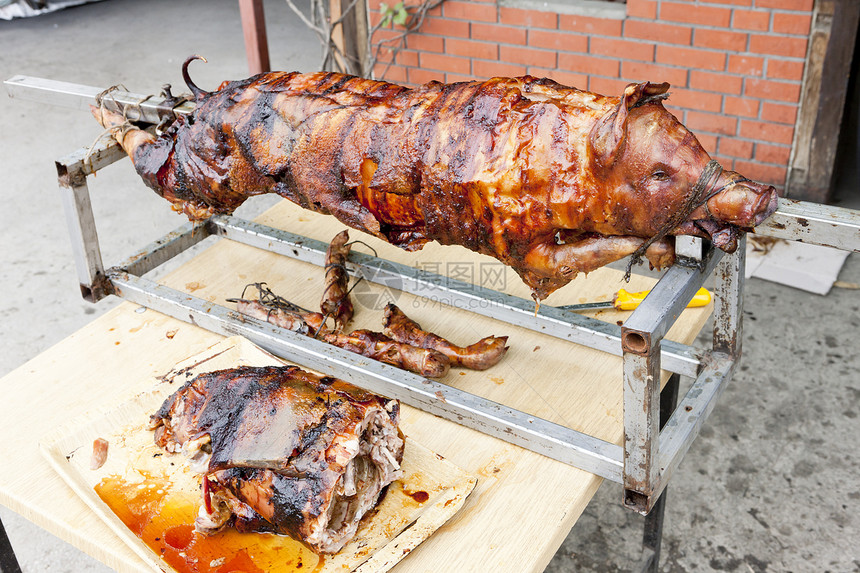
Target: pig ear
[646,92]
[610,133]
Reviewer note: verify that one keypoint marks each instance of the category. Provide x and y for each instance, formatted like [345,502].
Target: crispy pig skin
[501,167]
[279,442]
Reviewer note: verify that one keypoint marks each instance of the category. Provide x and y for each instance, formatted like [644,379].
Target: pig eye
[660,176]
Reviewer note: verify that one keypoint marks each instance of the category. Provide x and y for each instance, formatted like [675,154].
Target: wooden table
[524,504]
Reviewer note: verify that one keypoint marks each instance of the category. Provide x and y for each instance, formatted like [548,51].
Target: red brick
[564,78]
[766,131]
[606,86]
[784,69]
[435,11]
[642,9]
[804,5]
[451,78]
[751,20]
[705,15]
[498,33]
[732,2]
[395,74]
[385,34]
[374,4]
[407,58]
[746,65]
[624,49]
[767,89]
[430,61]
[712,123]
[720,40]
[445,27]
[589,65]
[791,23]
[693,99]
[553,40]
[741,106]
[640,72]
[487,69]
[385,53]
[773,153]
[772,174]
[711,82]
[779,113]
[420,76]
[469,11]
[691,58]
[736,148]
[425,43]
[590,26]
[472,49]
[778,46]
[657,32]
[528,56]
[527,18]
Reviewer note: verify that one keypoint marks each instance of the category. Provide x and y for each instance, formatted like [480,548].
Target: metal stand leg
[8,561]
[653,535]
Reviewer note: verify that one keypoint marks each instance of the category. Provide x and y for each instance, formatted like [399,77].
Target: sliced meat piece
[284,450]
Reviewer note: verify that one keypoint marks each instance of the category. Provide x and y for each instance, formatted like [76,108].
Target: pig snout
[742,203]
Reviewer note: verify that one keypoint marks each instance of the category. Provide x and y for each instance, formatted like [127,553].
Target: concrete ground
[771,484]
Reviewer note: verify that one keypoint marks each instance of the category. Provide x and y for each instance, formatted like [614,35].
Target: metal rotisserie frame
[648,456]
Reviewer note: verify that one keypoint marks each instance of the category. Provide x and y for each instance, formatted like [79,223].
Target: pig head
[650,179]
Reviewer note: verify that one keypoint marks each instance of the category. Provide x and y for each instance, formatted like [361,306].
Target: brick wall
[735,65]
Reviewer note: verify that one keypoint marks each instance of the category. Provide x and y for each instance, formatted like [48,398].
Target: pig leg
[128,136]
[564,262]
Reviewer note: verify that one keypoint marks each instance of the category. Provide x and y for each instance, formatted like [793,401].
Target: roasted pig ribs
[550,180]
[283,450]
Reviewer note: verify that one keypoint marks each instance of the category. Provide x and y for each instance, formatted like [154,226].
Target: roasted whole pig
[550,180]
[284,450]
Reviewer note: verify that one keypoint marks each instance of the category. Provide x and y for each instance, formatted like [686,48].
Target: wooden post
[254,30]
[350,36]
[825,87]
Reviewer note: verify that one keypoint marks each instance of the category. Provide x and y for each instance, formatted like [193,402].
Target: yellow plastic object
[629,300]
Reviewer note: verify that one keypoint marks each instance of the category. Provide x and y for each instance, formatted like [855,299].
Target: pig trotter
[561,263]
[335,300]
[478,356]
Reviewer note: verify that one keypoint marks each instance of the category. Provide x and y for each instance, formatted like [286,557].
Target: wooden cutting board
[150,498]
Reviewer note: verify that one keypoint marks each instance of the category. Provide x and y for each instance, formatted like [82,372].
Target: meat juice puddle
[164,520]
